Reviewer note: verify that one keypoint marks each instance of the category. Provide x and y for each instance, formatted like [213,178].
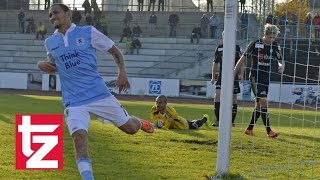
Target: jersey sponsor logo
[264,59]
[154,87]
[220,49]
[80,41]
[70,59]
[261,57]
[69,56]
[39,142]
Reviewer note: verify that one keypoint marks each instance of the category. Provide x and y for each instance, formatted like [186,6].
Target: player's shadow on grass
[193,141]
[188,132]
[6,120]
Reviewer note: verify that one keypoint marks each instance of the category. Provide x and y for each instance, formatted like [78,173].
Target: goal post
[229,50]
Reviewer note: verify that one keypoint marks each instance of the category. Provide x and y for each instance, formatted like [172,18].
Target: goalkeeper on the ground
[165,116]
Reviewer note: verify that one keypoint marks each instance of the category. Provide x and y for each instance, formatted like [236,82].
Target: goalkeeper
[261,53]
[165,116]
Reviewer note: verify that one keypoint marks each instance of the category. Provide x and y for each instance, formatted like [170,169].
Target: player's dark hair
[64,7]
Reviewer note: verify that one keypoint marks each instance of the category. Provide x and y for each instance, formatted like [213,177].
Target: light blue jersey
[75,57]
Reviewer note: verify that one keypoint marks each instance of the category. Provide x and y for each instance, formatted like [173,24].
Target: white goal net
[294,97]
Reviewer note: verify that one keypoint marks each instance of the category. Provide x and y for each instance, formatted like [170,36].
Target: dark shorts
[259,89]
[236,86]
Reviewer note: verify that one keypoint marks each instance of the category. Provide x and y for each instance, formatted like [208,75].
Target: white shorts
[108,109]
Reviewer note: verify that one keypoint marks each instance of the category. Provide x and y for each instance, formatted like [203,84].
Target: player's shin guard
[265,118]
[217,109]
[85,168]
[255,116]
[234,112]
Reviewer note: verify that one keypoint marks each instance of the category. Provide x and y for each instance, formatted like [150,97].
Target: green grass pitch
[173,154]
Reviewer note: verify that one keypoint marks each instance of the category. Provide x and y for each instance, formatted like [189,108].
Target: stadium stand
[159,57]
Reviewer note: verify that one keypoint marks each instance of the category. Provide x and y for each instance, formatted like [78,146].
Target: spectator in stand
[127,17]
[31,27]
[136,30]
[95,7]
[136,44]
[21,18]
[214,22]
[283,21]
[41,30]
[151,2]
[316,24]
[76,16]
[161,2]
[129,45]
[87,7]
[140,5]
[204,25]
[271,20]
[152,23]
[196,33]
[244,24]
[96,14]
[104,24]
[307,25]
[88,19]
[294,25]
[242,4]
[46,4]
[173,22]
[126,32]
[209,3]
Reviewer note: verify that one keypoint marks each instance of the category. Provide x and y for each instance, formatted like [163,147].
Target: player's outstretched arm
[122,82]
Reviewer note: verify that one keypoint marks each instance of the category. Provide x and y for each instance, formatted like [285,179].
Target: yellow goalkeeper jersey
[170,119]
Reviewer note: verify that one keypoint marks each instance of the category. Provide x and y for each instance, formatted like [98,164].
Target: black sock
[217,109]
[265,118]
[234,112]
[195,124]
[255,116]
[199,123]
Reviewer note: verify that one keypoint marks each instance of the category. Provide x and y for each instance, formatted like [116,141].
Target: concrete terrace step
[101,57]
[158,56]
[42,53]
[31,67]
[115,21]
[12,46]
[166,46]
[163,40]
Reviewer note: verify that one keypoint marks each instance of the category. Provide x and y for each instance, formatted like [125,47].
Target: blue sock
[85,168]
